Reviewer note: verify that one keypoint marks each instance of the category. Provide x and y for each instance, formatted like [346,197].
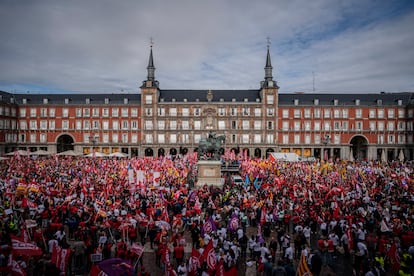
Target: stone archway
[149,152]
[64,143]
[161,152]
[173,151]
[359,145]
[268,151]
[257,152]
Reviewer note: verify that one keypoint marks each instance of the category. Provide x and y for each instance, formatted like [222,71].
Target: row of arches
[183,150]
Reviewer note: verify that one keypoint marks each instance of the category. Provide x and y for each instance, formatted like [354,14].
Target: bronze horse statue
[209,148]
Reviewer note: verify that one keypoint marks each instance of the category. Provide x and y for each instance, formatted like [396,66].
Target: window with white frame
[345,113]
[161,125]
[307,139]
[197,125]
[43,138]
[391,139]
[95,112]
[161,138]
[380,139]
[22,112]
[381,126]
[371,113]
[173,124]
[125,125]
[86,124]
[105,125]
[257,139]
[285,113]
[410,139]
[221,111]
[78,125]
[296,125]
[391,113]
[257,125]
[105,112]
[134,138]
[115,125]
[185,124]
[317,125]
[270,111]
[197,138]
[95,124]
[52,113]
[148,99]
[185,138]
[307,125]
[327,126]
[270,99]
[401,126]
[317,113]
[245,139]
[43,124]
[317,139]
[246,124]
[358,125]
[401,139]
[285,139]
[173,111]
[33,124]
[358,113]
[33,112]
[222,125]
[337,125]
[124,112]
[186,111]
[134,125]
[52,124]
[410,113]
[23,125]
[307,113]
[148,138]
[390,126]
[148,125]
[257,112]
[173,138]
[78,112]
[337,139]
[233,111]
[86,112]
[296,113]
[115,137]
[337,113]
[270,125]
[32,138]
[401,113]
[316,101]
[372,125]
[161,111]
[270,138]
[65,124]
[327,113]
[124,137]
[134,112]
[196,111]
[380,113]
[410,126]
[344,125]
[115,112]
[246,111]
[285,125]
[296,139]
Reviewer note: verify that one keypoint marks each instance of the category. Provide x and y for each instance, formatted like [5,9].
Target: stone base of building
[209,173]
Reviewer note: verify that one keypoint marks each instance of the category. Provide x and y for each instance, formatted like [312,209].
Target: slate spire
[151,68]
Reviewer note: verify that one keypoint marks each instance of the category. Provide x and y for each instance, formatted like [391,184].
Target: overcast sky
[102,46]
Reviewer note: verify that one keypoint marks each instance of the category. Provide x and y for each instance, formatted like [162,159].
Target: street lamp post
[325,141]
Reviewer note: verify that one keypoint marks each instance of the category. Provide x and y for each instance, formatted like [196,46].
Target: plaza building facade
[158,121]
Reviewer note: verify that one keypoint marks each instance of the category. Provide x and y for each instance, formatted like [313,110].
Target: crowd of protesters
[76,209]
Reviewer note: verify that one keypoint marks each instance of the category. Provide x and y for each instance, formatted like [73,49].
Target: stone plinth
[209,172]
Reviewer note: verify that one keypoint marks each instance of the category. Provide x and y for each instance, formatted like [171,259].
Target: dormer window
[185,100]
[221,100]
[125,100]
[45,100]
[233,100]
[173,100]
[87,101]
[296,102]
[162,100]
[257,100]
[106,101]
[246,100]
[66,101]
[336,102]
[357,102]
[379,102]
[316,101]
[399,102]
[24,101]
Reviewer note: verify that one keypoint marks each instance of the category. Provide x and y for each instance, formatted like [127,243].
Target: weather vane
[268,42]
[151,42]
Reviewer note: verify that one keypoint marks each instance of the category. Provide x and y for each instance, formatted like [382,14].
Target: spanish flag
[303,268]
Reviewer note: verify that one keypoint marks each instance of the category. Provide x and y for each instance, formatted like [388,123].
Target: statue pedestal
[209,172]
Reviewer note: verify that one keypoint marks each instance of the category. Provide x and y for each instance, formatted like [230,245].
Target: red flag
[60,257]
[137,249]
[394,258]
[209,256]
[220,268]
[25,248]
[303,268]
[194,262]
[263,215]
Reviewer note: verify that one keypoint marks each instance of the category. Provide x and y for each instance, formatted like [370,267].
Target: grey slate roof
[201,95]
